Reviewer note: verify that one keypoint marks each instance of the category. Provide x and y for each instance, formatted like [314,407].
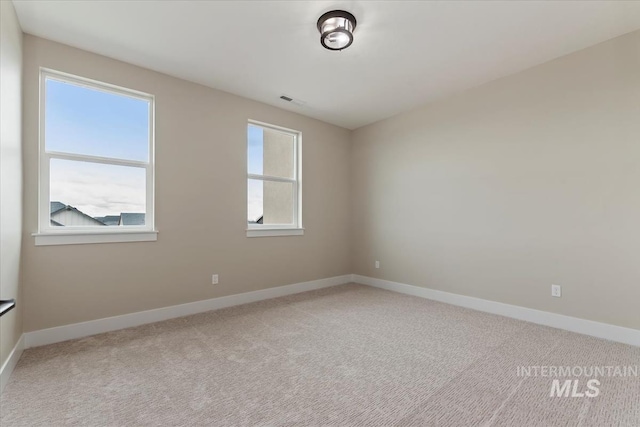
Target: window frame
[272,230]
[49,235]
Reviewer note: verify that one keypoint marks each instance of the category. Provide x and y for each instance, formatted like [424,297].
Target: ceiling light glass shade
[336,29]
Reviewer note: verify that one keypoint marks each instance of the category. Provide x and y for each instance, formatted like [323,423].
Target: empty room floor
[347,355]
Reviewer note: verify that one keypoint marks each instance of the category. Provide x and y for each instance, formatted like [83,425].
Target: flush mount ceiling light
[336,29]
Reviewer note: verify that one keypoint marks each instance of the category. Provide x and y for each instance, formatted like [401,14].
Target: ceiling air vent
[297,102]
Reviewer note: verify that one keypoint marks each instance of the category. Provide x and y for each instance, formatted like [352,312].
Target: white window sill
[273,232]
[88,237]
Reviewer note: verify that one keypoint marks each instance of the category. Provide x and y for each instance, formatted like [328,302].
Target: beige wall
[497,193]
[501,191]
[10,175]
[201,196]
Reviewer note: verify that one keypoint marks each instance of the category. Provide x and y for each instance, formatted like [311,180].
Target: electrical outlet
[556,291]
[377,264]
[214,279]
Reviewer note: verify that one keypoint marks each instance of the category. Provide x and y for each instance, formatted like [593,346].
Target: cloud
[98,189]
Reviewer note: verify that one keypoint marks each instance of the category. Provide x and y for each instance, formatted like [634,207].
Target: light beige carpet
[350,355]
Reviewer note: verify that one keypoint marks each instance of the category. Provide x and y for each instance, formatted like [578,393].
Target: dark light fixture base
[336,14]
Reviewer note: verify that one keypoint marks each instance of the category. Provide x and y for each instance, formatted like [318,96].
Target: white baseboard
[572,324]
[93,327]
[84,329]
[11,362]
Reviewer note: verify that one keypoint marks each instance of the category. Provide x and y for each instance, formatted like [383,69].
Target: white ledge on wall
[272,232]
[82,238]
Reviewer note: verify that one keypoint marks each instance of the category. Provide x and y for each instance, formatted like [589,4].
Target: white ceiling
[404,54]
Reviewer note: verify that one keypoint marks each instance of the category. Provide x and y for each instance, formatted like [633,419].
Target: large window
[273,181]
[96,162]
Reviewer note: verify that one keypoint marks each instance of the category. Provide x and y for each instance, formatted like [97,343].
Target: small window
[273,181]
[96,161]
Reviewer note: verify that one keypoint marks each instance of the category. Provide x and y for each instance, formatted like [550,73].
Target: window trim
[48,235]
[272,230]
[79,238]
